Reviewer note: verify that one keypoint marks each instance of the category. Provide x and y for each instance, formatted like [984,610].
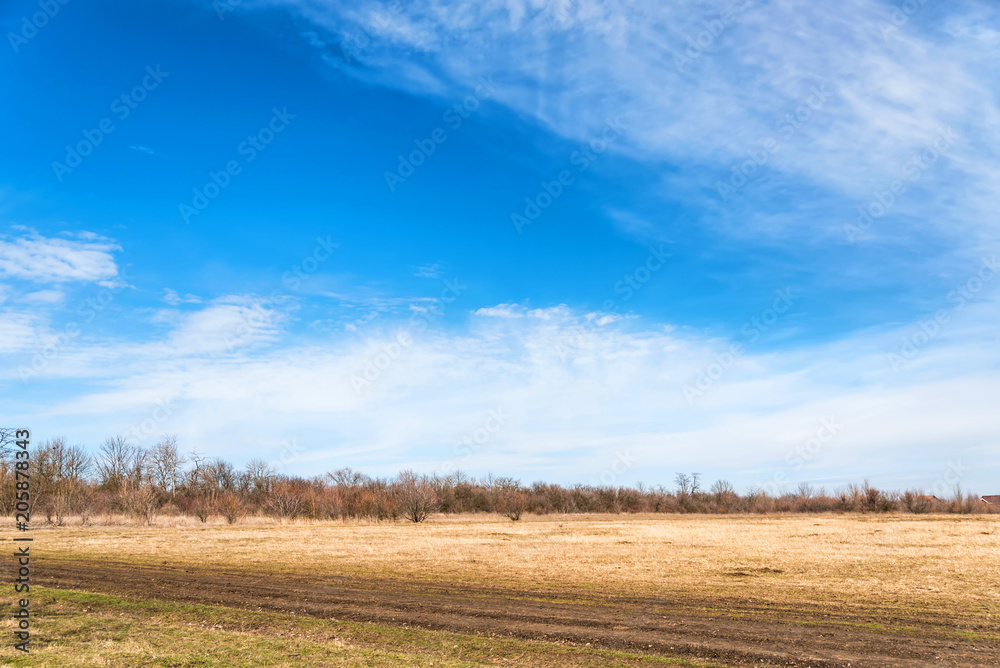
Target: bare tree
[165,462]
[124,470]
[60,472]
[8,435]
[219,476]
[114,463]
[259,478]
[197,459]
[85,504]
[683,482]
[347,477]
[137,472]
[211,477]
[722,488]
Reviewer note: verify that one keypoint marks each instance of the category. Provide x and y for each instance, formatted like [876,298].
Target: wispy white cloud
[428,271]
[622,387]
[222,326]
[704,93]
[503,311]
[172,297]
[32,257]
[556,313]
[44,297]
[362,305]
[18,331]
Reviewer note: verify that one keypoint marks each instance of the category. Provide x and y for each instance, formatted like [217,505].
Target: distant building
[992,500]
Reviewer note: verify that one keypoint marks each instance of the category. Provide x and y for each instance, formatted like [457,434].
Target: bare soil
[736,631]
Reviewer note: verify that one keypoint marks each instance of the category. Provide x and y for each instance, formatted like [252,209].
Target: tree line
[125,479]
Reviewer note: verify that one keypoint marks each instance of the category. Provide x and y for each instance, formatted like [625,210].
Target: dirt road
[737,632]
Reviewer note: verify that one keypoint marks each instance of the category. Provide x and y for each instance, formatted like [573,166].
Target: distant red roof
[992,499]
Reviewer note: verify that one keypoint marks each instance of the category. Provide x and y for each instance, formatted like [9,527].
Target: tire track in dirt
[739,632]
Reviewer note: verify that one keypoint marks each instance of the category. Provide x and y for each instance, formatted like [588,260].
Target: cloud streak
[39,259]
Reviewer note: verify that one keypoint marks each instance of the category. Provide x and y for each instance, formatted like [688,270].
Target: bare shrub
[724,496]
[142,502]
[416,496]
[169,510]
[202,511]
[758,501]
[123,479]
[507,495]
[85,505]
[512,503]
[916,502]
[284,502]
[961,502]
[231,507]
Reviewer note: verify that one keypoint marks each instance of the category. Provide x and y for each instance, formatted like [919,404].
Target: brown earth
[736,631]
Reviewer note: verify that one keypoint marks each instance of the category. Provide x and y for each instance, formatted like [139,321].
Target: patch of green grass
[71,629]
[971,635]
[910,631]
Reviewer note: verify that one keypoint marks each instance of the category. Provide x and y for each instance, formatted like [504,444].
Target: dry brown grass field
[576,590]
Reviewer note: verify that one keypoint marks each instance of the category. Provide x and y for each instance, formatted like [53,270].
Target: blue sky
[567,240]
